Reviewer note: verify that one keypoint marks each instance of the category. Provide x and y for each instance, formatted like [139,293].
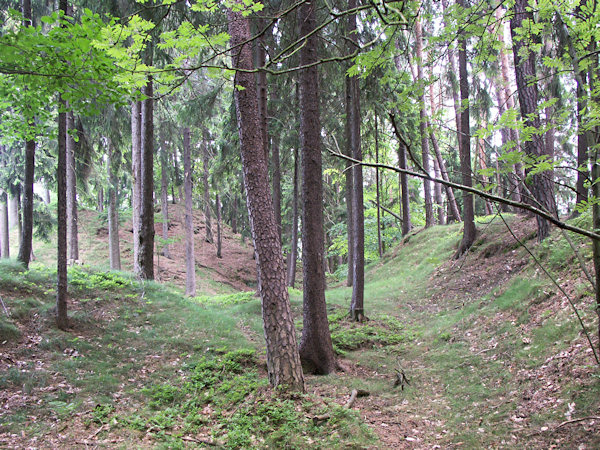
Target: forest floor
[492,354]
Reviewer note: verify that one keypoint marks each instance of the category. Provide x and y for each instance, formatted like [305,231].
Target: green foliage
[84,280]
[226,299]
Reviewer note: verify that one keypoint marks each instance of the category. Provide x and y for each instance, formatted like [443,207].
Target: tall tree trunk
[316,348]
[291,280]
[218,206]
[164,201]
[25,244]
[437,194]
[114,251]
[429,217]
[100,200]
[283,361]
[205,174]
[349,183]
[357,310]
[146,236]
[404,193]
[582,144]
[190,259]
[262,90]
[452,72]
[4,235]
[177,176]
[469,231]
[234,214]
[62,320]
[541,186]
[72,231]
[136,168]
[13,213]
[276,164]
[377,196]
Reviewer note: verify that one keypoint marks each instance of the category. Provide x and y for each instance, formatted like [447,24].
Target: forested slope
[480,352]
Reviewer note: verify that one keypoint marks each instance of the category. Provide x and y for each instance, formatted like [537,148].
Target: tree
[190,260]
[73,242]
[113,211]
[164,184]
[205,174]
[283,361]
[136,168]
[316,348]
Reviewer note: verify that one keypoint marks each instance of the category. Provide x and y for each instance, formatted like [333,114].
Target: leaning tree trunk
[541,185]
[136,168]
[316,348]
[190,259]
[72,238]
[283,362]
[291,281]
[469,231]
[205,174]
[146,236]
[4,235]
[114,251]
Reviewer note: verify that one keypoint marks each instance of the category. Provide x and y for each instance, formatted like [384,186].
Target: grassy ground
[480,352]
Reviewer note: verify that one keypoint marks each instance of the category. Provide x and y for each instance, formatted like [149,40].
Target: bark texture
[294,244]
[72,232]
[136,168]
[316,348]
[114,252]
[205,174]
[283,361]
[541,185]
[190,260]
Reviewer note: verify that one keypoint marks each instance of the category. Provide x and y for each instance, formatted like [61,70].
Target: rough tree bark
[283,361]
[525,73]
[190,260]
[291,280]
[72,232]
[62,320]
[316,348]
[136,168]
[114,252]
[429,217]
[276,164]
[205,185]
[25,244]
[469,232]
[146,235]
[349,183]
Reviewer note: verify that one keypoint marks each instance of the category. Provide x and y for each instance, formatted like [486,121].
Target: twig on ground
[581,419]
[4,307]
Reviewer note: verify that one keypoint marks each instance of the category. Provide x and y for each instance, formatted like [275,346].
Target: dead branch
[581,419]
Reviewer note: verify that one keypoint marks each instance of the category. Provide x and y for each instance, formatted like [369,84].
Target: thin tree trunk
[4,235]
[114,252]
[164,193]
[19,215]
[218,206]
[377,197]
[582,145]
[190,260]
[294,244]
[469,231]
[429,217]
[13,213]
[276,164]
[316,348]
[404,193]
[349,183]
[541,186]
[136,168]
[480,149]
[177,175]
[205,174]
[234,214]
[437,194]
[72,231]
[283,361]
[146,236]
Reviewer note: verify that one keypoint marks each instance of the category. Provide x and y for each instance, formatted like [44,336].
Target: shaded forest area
[285,224]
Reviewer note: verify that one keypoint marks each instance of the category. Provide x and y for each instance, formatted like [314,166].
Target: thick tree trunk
[205,174]
[469,231]
[114,251]
[316,348]
[146,236]
[541,185]
[164,193]
[4,235]
[190,259]
[72,231]
[262,90]
[429,217]
[283,362]
[218,206]
[291,280]
[136,168]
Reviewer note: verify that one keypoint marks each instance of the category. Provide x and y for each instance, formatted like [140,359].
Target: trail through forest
[475,352]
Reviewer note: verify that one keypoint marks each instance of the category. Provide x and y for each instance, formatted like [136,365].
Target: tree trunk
[177,175]
[276,182]
[377,196]
[73,241]
[283,362]
[541,185]
[100,200]
[146,236]
[205,174]
[349,188]
[164,193]
[13,213]
[404,194]
[262,90]
[136,168]
[4,235]
[190,259]
[437,194]
[316,348]
[582,144]
[294,244]
[429,217]
[218,206]
[234,214]
[469,231]
[114,251]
